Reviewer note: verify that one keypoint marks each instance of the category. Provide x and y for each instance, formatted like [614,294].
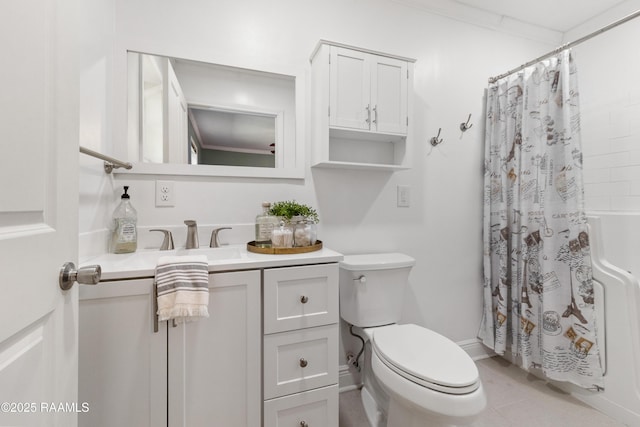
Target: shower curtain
[538,284]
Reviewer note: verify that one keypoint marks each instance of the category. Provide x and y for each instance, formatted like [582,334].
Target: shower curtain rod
[567,46]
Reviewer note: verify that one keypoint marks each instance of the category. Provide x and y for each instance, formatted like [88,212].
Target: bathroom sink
[213,254]
[143,262]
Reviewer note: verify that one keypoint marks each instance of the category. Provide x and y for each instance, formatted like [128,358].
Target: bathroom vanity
[267,355]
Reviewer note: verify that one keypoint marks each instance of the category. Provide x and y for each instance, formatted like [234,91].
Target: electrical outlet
[404,196]
[165,195]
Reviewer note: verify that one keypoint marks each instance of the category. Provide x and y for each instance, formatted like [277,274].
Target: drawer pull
[303,362]
[304,424]
[304,299]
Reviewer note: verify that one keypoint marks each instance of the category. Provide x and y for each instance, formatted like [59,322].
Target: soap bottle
[265,223]
[125,234]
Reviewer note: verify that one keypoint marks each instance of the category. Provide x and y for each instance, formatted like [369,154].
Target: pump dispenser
[124,234]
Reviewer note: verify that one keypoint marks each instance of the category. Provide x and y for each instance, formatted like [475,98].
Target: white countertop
[230,257]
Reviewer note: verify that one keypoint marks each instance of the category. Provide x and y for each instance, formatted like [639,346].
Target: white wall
[442,228]
[608,70]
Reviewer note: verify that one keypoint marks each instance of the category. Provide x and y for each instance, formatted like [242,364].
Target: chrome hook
[435,141]
[466,126]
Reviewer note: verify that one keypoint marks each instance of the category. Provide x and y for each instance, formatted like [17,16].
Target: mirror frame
[293,151]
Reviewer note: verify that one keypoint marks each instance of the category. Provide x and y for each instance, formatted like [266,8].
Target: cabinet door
[122,362]
[349,86]
[214,363]
[389,83]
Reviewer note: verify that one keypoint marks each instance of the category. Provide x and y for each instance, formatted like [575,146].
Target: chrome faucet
[215,243]
[192,234]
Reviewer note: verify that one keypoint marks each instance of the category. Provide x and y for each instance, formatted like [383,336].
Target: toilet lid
[427,358]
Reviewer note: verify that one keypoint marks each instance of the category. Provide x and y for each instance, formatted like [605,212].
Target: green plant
[288,209]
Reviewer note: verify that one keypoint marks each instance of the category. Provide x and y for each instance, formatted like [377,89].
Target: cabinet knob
[304,424]
[303,362]
[304,299]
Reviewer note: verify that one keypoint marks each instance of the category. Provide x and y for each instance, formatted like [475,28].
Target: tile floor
[515,399]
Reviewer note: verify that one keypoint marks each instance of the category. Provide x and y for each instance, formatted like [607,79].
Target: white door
[38,213]
[176,134]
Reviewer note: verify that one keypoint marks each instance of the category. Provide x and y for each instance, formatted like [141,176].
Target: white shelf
[360,166]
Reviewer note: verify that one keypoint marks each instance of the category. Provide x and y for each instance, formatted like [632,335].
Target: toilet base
[404,416]
[374,415]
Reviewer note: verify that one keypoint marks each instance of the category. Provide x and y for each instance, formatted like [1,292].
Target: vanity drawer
[315,408]
[300,360]
[300,297]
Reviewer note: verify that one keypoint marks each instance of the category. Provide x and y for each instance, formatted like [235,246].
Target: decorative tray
[251,247]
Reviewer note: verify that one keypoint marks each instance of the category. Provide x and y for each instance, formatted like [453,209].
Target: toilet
[412,376]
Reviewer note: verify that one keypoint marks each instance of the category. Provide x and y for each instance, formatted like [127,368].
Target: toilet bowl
[412,376]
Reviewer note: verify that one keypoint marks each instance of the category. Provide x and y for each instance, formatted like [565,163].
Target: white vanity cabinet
[301,346]
[361,108]
[267,355]
[187,375]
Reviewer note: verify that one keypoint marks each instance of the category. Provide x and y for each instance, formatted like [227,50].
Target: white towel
[182,284]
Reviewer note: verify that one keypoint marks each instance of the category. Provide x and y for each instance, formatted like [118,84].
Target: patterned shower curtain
[538,284]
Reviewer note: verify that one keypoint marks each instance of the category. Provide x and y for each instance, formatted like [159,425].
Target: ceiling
[556,15]
[234,130]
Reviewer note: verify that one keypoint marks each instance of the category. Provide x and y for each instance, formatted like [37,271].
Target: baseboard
[475,349]
[348,378]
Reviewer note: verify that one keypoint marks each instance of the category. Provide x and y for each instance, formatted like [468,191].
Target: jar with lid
[313,232]
[301,232]
[282,236]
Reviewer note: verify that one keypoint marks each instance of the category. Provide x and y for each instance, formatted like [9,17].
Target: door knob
[89,275]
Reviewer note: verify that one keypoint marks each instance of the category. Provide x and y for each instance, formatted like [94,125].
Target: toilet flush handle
[361,279]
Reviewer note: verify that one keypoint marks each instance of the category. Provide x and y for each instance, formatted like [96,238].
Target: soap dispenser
[124,234]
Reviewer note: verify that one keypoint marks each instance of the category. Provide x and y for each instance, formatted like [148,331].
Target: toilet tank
[372,288]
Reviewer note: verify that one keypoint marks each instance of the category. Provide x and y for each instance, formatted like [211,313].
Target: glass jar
[313,232]
[301,232]
[282,236]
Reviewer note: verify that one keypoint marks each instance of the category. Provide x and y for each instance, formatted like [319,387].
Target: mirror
[198,118]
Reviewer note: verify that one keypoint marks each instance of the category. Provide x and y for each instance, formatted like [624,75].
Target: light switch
[404,196]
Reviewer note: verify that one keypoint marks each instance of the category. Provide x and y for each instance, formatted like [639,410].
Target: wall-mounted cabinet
[361,108]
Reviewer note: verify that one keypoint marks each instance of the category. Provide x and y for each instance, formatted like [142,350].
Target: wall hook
[435,141]
[466,126]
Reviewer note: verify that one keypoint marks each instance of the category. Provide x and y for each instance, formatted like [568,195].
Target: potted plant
[301,219]
[289,209]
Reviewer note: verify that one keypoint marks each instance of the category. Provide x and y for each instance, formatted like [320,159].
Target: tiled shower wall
[608,77]
[611,147]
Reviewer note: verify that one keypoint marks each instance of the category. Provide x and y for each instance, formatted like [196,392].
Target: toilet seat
[426,358]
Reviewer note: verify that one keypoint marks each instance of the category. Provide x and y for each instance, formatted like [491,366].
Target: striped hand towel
[182,284]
